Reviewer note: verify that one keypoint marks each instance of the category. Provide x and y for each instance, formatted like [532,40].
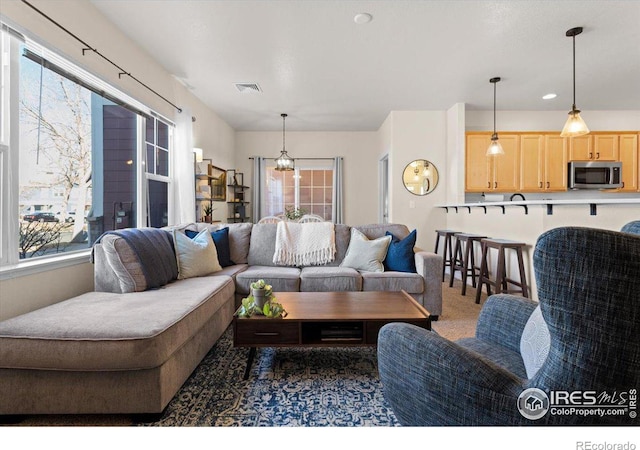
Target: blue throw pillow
[400,256]
[221,240]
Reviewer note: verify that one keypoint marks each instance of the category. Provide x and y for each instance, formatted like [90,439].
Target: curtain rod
[253,157]
[88,47]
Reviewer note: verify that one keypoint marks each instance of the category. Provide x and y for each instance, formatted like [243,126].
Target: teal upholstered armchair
[583,337]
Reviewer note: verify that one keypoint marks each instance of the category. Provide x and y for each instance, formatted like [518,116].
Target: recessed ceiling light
[362,18]
[549,96]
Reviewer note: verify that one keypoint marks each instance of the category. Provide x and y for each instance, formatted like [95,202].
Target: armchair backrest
[632,227]
[589,291]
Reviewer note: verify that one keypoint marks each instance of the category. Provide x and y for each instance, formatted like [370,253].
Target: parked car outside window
[40,217]
[70,218]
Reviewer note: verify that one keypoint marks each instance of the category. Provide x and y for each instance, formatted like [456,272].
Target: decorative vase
[259,297]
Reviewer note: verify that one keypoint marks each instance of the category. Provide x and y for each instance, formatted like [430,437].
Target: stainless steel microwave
[595,175]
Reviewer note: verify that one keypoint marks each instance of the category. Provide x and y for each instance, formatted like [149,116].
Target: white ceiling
[315,63]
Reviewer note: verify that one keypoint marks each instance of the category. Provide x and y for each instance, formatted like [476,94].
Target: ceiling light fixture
[495,148]
[284,162]
[362,18]
[574,126]
[549,96]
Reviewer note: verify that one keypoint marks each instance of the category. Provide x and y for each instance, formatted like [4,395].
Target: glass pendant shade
[574,126]
[284,162]
[495,148]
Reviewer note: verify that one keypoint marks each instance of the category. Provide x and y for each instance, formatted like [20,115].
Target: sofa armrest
[429,265]
[429,380]
[503,318]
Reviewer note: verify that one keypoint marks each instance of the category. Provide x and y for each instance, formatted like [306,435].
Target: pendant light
[575,126]
[284,162]
[495,148]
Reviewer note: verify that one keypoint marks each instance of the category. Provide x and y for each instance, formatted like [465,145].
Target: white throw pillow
[197,256]
[535,342]
[366,255]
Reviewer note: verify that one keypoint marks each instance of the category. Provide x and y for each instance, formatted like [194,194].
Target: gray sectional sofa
[253,247]
[128,349]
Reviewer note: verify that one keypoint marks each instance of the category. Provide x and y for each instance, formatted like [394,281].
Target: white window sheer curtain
[183,176]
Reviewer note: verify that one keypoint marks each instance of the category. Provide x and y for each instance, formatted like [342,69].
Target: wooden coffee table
[328,319]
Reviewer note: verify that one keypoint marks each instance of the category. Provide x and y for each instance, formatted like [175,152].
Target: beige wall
[454,178]
[357,148]
[550,120]
[25,293]
[418,135]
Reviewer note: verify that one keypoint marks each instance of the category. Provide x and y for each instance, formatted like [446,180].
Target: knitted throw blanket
[154,248]
[304,244]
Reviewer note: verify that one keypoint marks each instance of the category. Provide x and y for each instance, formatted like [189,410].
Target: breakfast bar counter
[549,203]
[525,220]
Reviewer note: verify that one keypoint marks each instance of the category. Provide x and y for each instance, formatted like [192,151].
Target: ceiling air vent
[248,87]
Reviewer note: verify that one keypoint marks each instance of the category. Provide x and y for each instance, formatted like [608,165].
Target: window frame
[11,265]
[146,176]
[296,184]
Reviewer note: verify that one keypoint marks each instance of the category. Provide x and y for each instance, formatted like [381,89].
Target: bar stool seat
[501,281]
[464,259]
[447,255]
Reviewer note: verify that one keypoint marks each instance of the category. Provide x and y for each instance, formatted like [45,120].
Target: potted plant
[261,292]
[261,301]
[293,214]
[207,210]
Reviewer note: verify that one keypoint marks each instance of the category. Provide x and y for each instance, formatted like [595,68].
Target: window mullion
[296,189]
[141,179]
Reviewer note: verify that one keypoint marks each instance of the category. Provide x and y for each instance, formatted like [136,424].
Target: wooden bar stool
[447,259]
[501,281]
[464,259]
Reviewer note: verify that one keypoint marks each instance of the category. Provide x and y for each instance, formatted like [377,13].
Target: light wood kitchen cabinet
[543,163]
[537,161]
[594,146]
[556,163]
[531,162]
[628,146]
[492,173]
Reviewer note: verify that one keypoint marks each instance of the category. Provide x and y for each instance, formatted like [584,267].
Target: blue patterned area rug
[300,387]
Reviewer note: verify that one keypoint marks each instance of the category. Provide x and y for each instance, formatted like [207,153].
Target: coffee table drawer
[265,332]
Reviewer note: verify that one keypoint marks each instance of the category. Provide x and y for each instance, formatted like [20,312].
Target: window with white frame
[79,150]
[159,136]
[309,190]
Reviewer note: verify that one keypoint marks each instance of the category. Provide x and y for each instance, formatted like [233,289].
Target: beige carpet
[458,320]
[459,312]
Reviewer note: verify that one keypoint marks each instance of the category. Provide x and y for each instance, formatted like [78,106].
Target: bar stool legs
[501,281]
[447,256]
[464,259]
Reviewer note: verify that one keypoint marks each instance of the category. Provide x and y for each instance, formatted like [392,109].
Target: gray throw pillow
[366,255]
